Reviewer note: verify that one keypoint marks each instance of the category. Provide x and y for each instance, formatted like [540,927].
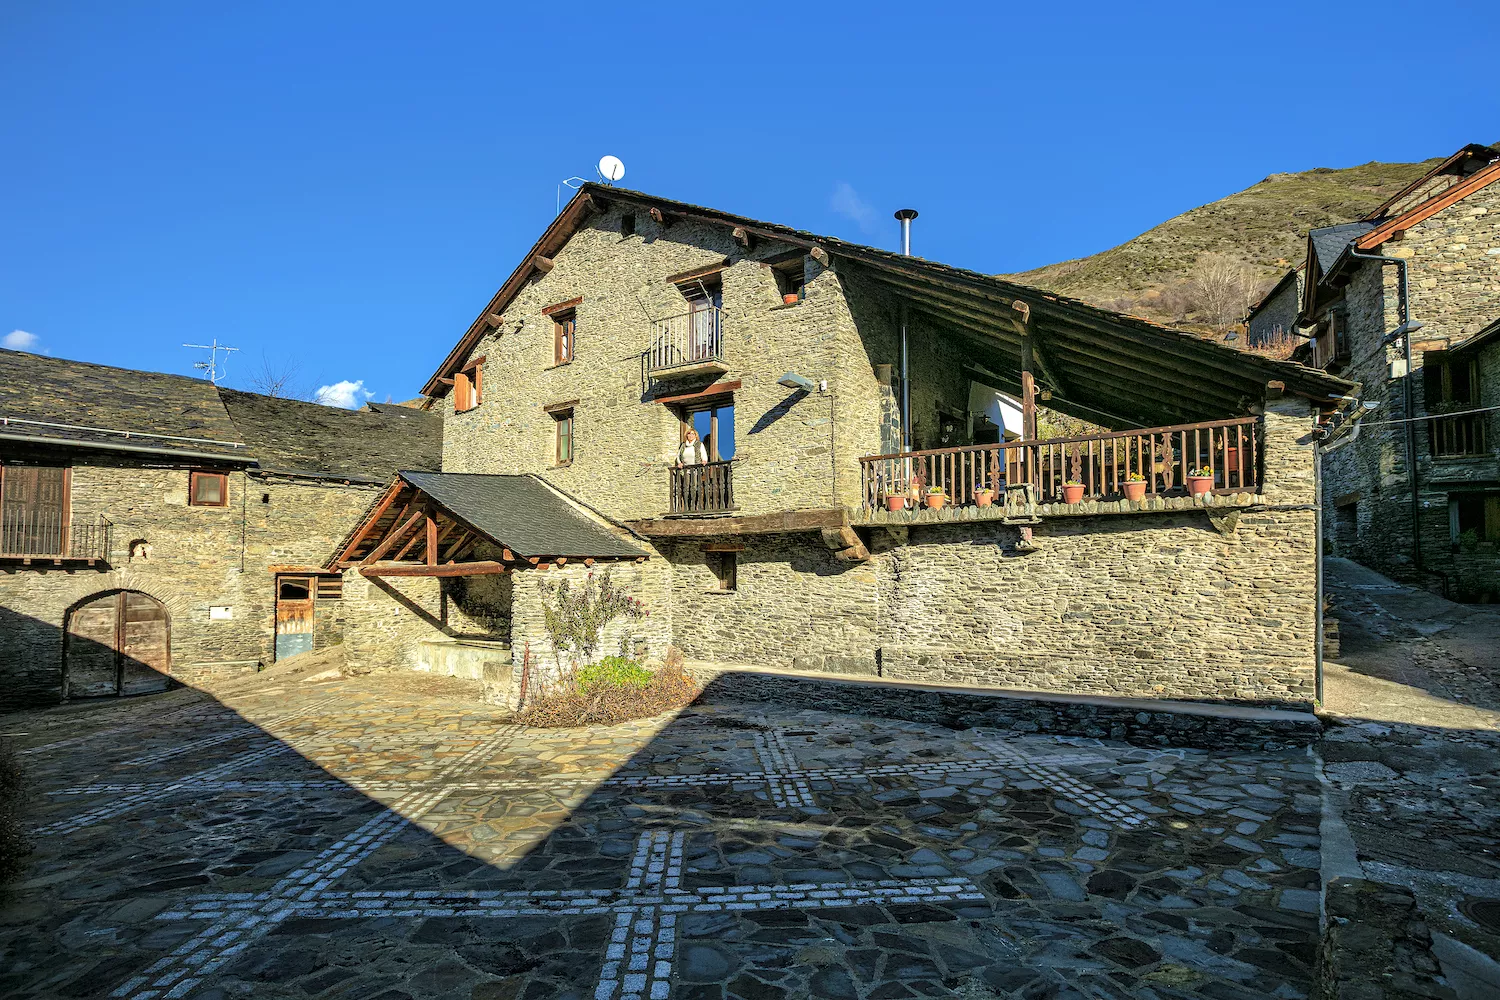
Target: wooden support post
[1028,401]
[432,540]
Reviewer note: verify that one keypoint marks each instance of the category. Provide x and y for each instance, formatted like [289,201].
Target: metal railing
[1163,456]
[1454,437]
[693,338]
[34,534]
[703,489]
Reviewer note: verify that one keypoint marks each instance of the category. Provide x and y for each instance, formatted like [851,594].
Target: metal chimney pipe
[905,216]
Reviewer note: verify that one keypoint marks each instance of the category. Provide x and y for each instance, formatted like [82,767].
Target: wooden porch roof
[429,524]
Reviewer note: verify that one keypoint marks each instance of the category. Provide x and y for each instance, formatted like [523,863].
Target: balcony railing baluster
[692,339]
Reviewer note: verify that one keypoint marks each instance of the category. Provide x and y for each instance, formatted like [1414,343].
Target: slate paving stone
[1206,895]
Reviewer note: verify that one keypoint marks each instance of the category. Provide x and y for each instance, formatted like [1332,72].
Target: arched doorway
[117,643]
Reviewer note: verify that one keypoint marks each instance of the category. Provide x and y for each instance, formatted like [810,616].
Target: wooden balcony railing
[32,534]
[1231,449]
[692,340]
[703,489]
[1456,437]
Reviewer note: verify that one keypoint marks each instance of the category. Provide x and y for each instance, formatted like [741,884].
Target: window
[33,509]
[714,423]
[330,588]
[1474,518]
[563,426]
[564,333]
[627,224]
[790,279]
[1449,386]
[293,588]
[468,386]
[725,566]
[208,489]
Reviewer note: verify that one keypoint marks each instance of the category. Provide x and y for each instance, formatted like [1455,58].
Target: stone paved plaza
[350,840]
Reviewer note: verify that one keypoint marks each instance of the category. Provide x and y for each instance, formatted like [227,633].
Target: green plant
[1135,477]
[934,491]
[575,617]
[1073,482]
[1469,539]
[612,671]
[1205,473]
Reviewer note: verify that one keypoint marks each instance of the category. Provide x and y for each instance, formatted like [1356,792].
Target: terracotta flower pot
[935,501]
[1134,490]
[1073,494]
[983,498]
[895,503]
[789,298]
[1199,485]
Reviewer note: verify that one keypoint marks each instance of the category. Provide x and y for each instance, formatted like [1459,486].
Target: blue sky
[344,186]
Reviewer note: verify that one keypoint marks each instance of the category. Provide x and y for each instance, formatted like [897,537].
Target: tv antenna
[212,367]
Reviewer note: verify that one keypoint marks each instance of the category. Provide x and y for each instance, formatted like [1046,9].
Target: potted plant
[984,496]
[936,497]
[1073,491]
[1134,487]
[790,298]
[895,502]
[1200,481]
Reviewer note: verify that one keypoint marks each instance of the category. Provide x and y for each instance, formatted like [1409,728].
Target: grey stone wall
[1277,316]
[1454,283]
[199,557]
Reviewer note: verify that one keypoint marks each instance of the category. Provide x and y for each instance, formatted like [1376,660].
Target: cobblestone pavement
[338,840]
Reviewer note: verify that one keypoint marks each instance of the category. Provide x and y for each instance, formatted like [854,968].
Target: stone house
[1404,303]
[1273,319]
[157,529]
[744,413]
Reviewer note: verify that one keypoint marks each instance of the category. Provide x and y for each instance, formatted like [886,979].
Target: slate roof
[522,514]
[1328,243]
[293,437]
[53,400]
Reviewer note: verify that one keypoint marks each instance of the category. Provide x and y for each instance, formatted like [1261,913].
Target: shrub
[614,671]
[575,618]
[613,690]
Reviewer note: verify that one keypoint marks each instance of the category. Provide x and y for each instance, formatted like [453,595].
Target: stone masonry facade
[1169,604]
[188,558]
[1453,260]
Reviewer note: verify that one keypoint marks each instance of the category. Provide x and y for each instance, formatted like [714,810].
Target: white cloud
[345,395]
[19,340]
[847,202]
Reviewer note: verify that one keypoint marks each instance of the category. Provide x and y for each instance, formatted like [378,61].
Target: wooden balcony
[1230,449]
[45,537]
[1459,436]
[690,344]
[703,489]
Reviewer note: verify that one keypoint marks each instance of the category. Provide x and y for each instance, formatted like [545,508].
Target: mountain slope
[1264,226]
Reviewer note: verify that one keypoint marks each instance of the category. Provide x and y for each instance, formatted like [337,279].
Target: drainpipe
[1403,305]
[904,216]
[1318,563]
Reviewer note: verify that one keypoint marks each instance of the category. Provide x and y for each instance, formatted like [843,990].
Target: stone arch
[82,588]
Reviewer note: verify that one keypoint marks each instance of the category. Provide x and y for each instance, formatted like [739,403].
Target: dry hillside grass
[1264,227]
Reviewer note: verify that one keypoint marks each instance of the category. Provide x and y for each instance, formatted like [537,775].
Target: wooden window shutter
[460,392]
[1432,379]
[478,384]
[1492,518]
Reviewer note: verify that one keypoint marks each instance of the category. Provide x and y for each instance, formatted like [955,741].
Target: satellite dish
[611,169]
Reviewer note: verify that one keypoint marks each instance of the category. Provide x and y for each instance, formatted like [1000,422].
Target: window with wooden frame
[468,386]
[1452,386]
[34,509]
[208,489]
[1474,517]
[330,587]
[564,336]
[562,419]
[725,564]
[791,279]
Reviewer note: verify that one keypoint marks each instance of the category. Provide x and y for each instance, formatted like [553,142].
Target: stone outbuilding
[158,529]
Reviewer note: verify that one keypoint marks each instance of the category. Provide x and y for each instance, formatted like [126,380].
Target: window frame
[468,386]
[712,405]
[563,416]
[193,478]
[564,336]
[791,277]
[724,563]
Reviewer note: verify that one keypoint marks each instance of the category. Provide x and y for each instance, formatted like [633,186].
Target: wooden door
[117,644]
[294,616]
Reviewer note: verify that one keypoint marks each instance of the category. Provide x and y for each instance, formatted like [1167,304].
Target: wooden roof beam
[391,539]
[396,489]
[481,568]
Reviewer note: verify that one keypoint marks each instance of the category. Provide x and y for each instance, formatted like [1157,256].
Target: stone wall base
[1376,945]
[1143,723]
